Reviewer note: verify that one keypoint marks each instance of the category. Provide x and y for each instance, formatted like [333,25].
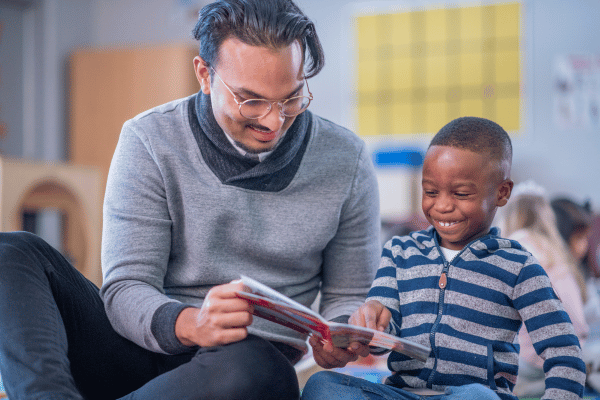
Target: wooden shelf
[109,86]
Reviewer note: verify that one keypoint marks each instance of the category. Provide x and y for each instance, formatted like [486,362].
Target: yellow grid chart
[418,70]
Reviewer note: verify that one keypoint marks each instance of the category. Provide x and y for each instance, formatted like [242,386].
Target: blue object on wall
[398,157]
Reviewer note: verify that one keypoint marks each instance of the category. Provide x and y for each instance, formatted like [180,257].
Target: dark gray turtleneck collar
[273,174]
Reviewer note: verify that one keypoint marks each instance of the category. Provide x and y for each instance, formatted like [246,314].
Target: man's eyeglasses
[258,108]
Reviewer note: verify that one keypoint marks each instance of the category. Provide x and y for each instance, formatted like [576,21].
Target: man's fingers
[360,349]
[235,319]
[215,304]
[225,291]
[226,336]
[343,356]
[327,360]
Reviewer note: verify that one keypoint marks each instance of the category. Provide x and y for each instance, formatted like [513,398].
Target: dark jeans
[56,342]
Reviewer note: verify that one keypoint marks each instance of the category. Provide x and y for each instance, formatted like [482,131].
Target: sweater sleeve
[136,242]
[551,332]
[385,288]
[350,258]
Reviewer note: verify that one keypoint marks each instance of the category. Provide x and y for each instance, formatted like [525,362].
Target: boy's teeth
[447,223]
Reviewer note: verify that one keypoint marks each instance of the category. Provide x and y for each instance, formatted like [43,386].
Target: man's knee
[24,252]
[255,369]
[13,243]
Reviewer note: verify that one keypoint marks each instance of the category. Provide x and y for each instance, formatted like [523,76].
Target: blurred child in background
[574,222]
[529,219]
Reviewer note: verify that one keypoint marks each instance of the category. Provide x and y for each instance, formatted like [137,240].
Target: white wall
[564,161]
[141,22]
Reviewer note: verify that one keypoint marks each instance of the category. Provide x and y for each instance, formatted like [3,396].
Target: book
[276,307]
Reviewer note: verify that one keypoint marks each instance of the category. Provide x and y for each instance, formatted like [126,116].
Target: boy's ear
[504,190]
[202,74]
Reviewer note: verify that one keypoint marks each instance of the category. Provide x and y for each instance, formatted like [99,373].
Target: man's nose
[274,119]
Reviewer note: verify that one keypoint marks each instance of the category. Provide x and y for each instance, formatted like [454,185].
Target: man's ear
[202,74]
[504,190]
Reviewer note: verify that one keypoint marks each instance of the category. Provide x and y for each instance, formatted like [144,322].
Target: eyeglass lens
[257,108]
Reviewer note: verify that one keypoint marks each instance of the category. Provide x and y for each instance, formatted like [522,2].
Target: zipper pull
[443,280]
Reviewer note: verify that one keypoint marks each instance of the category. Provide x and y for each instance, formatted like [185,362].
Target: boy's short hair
[476,134]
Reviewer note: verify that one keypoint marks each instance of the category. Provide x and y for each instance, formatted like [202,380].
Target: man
[238,179]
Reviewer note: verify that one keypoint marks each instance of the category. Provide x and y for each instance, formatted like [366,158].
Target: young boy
[461,289]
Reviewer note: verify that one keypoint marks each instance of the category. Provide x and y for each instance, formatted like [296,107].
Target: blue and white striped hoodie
[469,312]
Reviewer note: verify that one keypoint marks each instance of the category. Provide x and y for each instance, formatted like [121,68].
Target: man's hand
[373,315]
[328,356]
[222,319]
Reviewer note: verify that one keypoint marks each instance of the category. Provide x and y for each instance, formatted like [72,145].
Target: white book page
[263,290]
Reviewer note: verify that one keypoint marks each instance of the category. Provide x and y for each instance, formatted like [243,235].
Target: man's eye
[255,102]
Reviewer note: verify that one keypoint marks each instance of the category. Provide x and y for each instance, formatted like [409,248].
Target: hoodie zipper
[442,284]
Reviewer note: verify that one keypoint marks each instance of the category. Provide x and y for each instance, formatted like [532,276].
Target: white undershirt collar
[449,254]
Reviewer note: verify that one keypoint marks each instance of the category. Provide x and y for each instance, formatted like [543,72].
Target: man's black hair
[266,23]
[476,134]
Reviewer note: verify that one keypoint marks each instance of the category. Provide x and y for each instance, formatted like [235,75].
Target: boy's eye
[461,195]
[429,193]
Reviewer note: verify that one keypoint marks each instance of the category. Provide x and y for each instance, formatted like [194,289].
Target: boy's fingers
[370,318]
[384,319]
[358,318]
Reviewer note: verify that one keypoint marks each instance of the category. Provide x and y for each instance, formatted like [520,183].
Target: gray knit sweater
[172,229]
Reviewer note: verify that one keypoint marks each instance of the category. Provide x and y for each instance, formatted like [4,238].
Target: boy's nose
[444,203]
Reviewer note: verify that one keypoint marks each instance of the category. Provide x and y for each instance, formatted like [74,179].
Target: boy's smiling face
[461,192]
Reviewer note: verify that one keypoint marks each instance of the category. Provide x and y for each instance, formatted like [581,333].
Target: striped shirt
[469,312]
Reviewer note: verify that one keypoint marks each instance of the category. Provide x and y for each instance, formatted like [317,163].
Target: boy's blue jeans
[56,342]
[328,385]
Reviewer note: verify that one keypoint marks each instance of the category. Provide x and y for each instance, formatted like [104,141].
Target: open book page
[259,289]
[276,307]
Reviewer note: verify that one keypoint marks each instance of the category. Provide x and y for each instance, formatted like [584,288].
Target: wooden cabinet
[109,86]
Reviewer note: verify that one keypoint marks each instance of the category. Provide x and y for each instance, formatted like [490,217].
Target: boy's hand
[328,356]
[373,315]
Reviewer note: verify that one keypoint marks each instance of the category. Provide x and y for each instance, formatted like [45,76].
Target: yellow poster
[418,70]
